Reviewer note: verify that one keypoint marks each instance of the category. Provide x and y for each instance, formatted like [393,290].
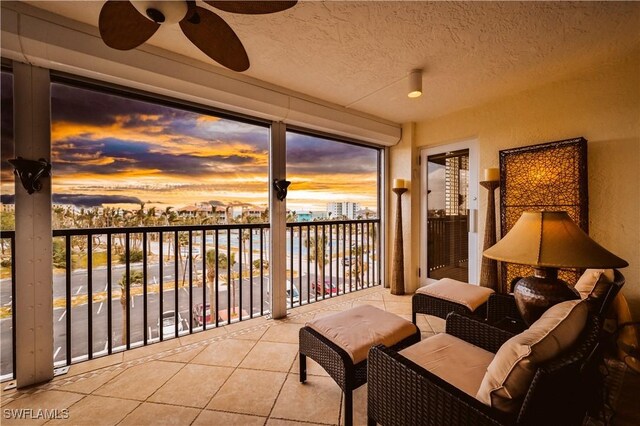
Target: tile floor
[243,374]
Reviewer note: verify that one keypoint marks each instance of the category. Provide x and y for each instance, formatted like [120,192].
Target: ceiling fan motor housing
[162,12]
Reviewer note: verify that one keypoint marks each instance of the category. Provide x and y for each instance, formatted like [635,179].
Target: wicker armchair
[402,393]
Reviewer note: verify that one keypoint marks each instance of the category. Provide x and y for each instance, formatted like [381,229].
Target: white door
[449,243]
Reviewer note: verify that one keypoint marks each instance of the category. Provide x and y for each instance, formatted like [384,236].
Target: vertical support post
[34,270]
[397,281]
[489,268]
[278,213]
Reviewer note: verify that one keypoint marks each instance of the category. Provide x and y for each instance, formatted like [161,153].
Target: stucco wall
[601,104]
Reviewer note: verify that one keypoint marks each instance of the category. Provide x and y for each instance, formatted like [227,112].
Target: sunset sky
[112,150]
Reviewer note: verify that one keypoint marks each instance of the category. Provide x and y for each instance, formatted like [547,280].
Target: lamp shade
[551,239]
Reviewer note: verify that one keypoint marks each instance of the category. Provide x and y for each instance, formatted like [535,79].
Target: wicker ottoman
[447,295]
[340,344]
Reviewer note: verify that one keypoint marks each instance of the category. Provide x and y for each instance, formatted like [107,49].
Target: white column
[34,271]
[278,217]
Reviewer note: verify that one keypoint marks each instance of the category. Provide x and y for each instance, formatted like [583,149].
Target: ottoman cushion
[468,295]
[356,330]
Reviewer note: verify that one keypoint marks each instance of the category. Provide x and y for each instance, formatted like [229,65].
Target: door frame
[474,257]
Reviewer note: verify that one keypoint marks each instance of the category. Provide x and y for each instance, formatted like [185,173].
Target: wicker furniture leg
[338,364]
[303,368]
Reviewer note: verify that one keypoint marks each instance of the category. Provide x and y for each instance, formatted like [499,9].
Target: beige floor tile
[271,356]
[140,381]
[283,422]
[97,410]
[212,418]
[283,333]
[298,319]
[250,334]
[321,314]
[152,349]
[317,400]
[426,334]
[50,400]
[313,368]
[160,414]
[371,295]
[193,386]
[224,353]
[376,303]
[388,297]
[303,309]
[437,324]
[184,355]
[423,324]
[90,383]
[359,407]
[248,392]
[202,335]
[245,324]
[94,364]
[400,308]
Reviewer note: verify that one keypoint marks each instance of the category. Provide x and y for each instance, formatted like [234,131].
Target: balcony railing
[119,288]
[447,247]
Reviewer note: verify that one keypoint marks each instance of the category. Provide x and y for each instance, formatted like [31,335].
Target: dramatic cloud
[106,148]
[83,200]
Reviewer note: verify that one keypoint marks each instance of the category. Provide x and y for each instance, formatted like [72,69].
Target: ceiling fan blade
[253,7]
[211,34]
[122,27]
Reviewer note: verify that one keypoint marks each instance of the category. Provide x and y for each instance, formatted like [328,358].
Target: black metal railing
[8,305]
[119,288]
[447,242]
[168,282]
[341,257]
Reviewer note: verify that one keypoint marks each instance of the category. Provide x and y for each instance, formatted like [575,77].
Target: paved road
[79,314]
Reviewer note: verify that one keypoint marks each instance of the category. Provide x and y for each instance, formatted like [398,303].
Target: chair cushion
[452,359]
[357,329]
[594,283]
[511,372]
[469,295]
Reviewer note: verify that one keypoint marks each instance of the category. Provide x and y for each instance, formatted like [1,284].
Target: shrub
[134,256]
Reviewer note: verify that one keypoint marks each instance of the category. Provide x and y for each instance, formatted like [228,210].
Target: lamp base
[534,295]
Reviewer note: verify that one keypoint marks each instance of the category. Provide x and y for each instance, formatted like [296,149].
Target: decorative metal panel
[549,176]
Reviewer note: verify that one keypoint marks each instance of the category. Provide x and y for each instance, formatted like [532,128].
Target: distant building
[343,208]
[253,211]
[194,210]
[318,215]
[304,216]
[366,213]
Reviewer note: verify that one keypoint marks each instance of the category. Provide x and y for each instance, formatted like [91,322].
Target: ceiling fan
[125,25]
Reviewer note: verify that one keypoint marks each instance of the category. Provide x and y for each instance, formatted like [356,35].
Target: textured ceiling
[358,53]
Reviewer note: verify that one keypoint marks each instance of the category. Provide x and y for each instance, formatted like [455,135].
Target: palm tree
[135,278]
[358,267]
[170,217]
[292,216]
[213,271]
[317,249]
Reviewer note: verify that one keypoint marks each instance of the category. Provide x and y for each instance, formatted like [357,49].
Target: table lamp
[548,240]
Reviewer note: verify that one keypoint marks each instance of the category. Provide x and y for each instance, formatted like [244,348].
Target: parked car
[198,314]
[329,288]
[169,323]
[296,294]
